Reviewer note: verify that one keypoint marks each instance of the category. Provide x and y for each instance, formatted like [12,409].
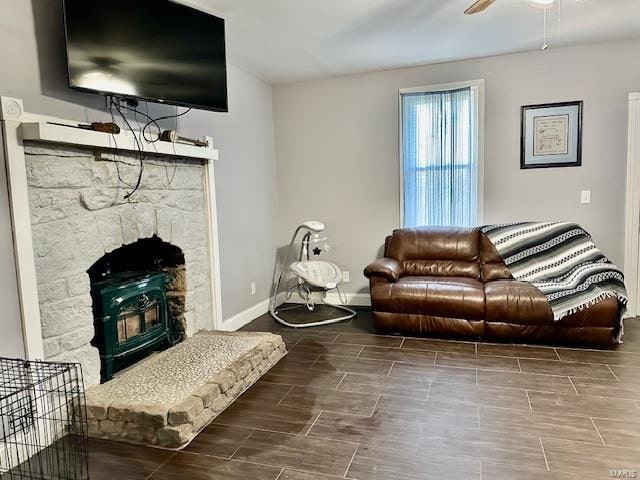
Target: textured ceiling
[288,40]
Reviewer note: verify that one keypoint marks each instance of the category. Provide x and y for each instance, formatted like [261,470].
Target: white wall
[337,146]
[246,189]
[33,58]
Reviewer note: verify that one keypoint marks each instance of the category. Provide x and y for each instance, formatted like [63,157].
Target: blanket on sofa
[561,261]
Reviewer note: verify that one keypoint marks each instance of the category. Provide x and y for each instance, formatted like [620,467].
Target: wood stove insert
[138,294]
[130,312]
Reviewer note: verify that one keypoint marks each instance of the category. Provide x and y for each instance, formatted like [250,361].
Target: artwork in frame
[551,135]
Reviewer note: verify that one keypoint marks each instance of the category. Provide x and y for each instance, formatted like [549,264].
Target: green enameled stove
[131,319]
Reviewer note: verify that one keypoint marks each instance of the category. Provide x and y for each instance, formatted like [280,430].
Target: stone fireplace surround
[67,197]
[78,213]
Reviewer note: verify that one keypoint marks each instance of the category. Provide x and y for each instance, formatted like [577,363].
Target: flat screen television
[155,50]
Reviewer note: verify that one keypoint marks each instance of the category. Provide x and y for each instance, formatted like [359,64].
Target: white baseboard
[354,299]
[239,320]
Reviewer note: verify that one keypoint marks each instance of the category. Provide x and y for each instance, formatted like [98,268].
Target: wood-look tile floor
[349,403]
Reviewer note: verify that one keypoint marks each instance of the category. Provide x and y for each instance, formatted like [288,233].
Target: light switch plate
[585,197]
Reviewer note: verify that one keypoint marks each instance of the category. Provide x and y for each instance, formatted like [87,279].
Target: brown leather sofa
[451,282]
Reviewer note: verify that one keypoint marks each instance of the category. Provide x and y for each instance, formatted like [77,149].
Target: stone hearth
[168,398]
[79,213]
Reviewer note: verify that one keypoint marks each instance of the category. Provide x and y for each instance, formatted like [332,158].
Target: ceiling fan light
[541,3]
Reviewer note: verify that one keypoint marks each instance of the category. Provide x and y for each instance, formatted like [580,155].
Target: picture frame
[551,135]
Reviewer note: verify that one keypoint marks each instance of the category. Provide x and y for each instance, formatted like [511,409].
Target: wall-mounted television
[156,50]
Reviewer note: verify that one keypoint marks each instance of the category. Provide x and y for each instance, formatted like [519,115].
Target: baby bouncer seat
[313,279]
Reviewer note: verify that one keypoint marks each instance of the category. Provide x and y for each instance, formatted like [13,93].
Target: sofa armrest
[389,268]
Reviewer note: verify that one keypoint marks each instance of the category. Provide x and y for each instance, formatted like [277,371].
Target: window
[441,154]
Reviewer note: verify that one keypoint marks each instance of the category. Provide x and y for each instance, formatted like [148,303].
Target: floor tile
[485,362]
[303,377]
[299,358]
[585,459]
[331,363]
[521,351]
[398,355]
[109,460]
[277,419]
[189,466]
[538,424]
[499,471]
[620,433]
[478,395]
[289,474]
[289,339]
[428,372]
[264,393]
[330,400]
[297,452]
[626,374]
[439,345]
[599,356]
[529,381]
[384,463]
[295,360]
[326,348]
[432,443]
[366,339]
[218,440]
[314,334]
[551,367]
[385,385]
[497,447]
[601,407]
[367,430]
[440,416]
[292,337]
[607,388]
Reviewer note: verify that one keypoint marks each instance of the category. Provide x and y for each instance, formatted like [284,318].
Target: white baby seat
[319,274]
[314,278]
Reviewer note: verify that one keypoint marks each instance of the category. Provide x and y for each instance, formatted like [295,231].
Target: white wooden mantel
[18,126]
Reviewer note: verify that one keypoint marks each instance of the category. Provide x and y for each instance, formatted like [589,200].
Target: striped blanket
[561,261]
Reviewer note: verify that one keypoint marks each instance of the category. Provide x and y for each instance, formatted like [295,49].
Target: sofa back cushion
[437,251]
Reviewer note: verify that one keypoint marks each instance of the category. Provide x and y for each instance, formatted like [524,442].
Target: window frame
[477,91]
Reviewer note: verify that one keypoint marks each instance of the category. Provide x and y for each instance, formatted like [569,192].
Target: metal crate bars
[43,427]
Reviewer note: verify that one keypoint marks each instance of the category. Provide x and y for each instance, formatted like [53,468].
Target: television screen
[154,50]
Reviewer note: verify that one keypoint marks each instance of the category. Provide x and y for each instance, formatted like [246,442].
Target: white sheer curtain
[439,156]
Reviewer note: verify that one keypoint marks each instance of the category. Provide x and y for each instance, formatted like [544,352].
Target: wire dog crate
[43,421]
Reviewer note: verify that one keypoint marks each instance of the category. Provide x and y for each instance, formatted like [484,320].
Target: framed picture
[551,135]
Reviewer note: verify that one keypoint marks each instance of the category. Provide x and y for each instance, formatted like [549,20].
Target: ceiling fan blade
[478,6]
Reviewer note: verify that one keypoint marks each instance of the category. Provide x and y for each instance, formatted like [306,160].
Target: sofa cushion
[511,301]
[451,297]
[492,265]
[520,303]
[436,251]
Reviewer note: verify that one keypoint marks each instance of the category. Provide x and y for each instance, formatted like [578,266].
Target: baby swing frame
[303,287]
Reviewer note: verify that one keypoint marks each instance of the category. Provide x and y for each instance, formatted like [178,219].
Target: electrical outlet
[345,277]
[253,288]
[585,197]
